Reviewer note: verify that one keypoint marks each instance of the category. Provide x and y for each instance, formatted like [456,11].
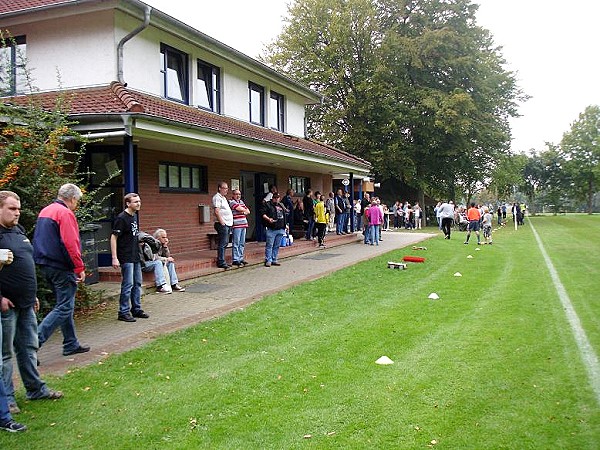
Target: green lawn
[492,364]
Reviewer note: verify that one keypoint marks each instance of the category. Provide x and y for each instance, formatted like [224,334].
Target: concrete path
[205,298]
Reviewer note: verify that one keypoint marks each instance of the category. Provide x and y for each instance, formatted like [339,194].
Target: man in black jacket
[18,302]
[273,217]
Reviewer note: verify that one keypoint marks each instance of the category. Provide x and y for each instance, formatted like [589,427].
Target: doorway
[254,186]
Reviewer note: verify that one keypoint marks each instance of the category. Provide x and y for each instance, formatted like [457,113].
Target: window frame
[180,168]
[165,52]
[213,85]
[16,48]
[299,184]
[279,115]
[260,90]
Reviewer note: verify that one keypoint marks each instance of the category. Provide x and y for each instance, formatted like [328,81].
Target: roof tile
[117,99]
[10,6]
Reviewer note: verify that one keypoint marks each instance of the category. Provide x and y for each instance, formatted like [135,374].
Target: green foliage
[39,152]
[34,160]
[415,87]
[561,176]
[581,150]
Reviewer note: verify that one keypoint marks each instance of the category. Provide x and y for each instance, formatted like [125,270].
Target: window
[208,87]
[13,79]
[276,111]
[257,104]
[173,177]
[174,74]
[299,184]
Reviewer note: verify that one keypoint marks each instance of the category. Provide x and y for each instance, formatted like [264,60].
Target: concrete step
[194,264]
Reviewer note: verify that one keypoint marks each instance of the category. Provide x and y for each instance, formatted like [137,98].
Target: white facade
[80,50]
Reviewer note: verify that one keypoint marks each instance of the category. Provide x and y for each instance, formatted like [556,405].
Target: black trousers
[447,226]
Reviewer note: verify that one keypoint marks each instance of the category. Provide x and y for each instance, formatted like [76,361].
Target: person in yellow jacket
[321,218]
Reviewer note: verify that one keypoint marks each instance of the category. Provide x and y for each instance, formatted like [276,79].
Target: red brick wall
[178,213]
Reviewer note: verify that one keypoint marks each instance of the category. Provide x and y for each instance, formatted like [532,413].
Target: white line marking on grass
[590,359]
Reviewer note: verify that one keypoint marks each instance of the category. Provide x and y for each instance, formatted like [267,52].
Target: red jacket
[56,240]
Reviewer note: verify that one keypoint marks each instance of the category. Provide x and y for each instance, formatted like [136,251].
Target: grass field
[492,364]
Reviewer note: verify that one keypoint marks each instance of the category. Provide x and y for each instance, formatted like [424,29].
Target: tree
[581,150]
[415,87]
[508,173]
[555,180]
[39,152]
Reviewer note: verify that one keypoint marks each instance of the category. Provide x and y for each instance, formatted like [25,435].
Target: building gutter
[122,42]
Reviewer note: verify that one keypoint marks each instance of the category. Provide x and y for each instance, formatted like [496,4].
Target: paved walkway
[205,298]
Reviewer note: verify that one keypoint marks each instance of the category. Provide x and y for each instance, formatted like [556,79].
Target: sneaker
[13,427]
[162,290]
[80,349]
[236,263]
[50,394]
[177,288]
[224,266]
[126,318]
[244,262]
[267,264]
[466,243]
[14,408]
[140,314]
[275,263]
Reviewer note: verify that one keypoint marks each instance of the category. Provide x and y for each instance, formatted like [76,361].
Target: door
[255,185]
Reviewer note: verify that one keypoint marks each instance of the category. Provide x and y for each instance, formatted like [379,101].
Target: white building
[175,110]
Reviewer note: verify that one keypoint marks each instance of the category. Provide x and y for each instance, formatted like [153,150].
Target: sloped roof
[8,6]
[117,99]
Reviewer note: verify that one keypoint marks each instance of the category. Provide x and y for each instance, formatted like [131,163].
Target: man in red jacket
[57,250]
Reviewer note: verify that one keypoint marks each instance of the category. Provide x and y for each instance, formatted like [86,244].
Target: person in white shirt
[446,213]
[223,223]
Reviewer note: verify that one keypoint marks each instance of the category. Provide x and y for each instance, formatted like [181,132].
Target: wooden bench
[213,238]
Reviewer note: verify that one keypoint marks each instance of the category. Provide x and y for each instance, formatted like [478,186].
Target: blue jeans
[375,229]
[131,288]
[239,243]
[64,286]
[273,243]
[223,231]
[20,334]
[4,411]
[339,224]
[310,226]
[367,233]
[159,273]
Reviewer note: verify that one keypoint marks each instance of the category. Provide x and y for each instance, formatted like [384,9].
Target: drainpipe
[122,42]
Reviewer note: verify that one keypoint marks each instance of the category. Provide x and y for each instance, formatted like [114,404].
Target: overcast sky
[552,45]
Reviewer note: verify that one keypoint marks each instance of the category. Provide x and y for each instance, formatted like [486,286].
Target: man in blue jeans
[18,303]
[124,248]
[57,250]
[7,423]
[6,420]
[273,216]
[223,223]
[240,225]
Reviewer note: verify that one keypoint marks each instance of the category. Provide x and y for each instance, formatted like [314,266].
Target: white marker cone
[384,361]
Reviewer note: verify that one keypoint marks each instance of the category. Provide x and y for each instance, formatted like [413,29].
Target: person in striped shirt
[240,225]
